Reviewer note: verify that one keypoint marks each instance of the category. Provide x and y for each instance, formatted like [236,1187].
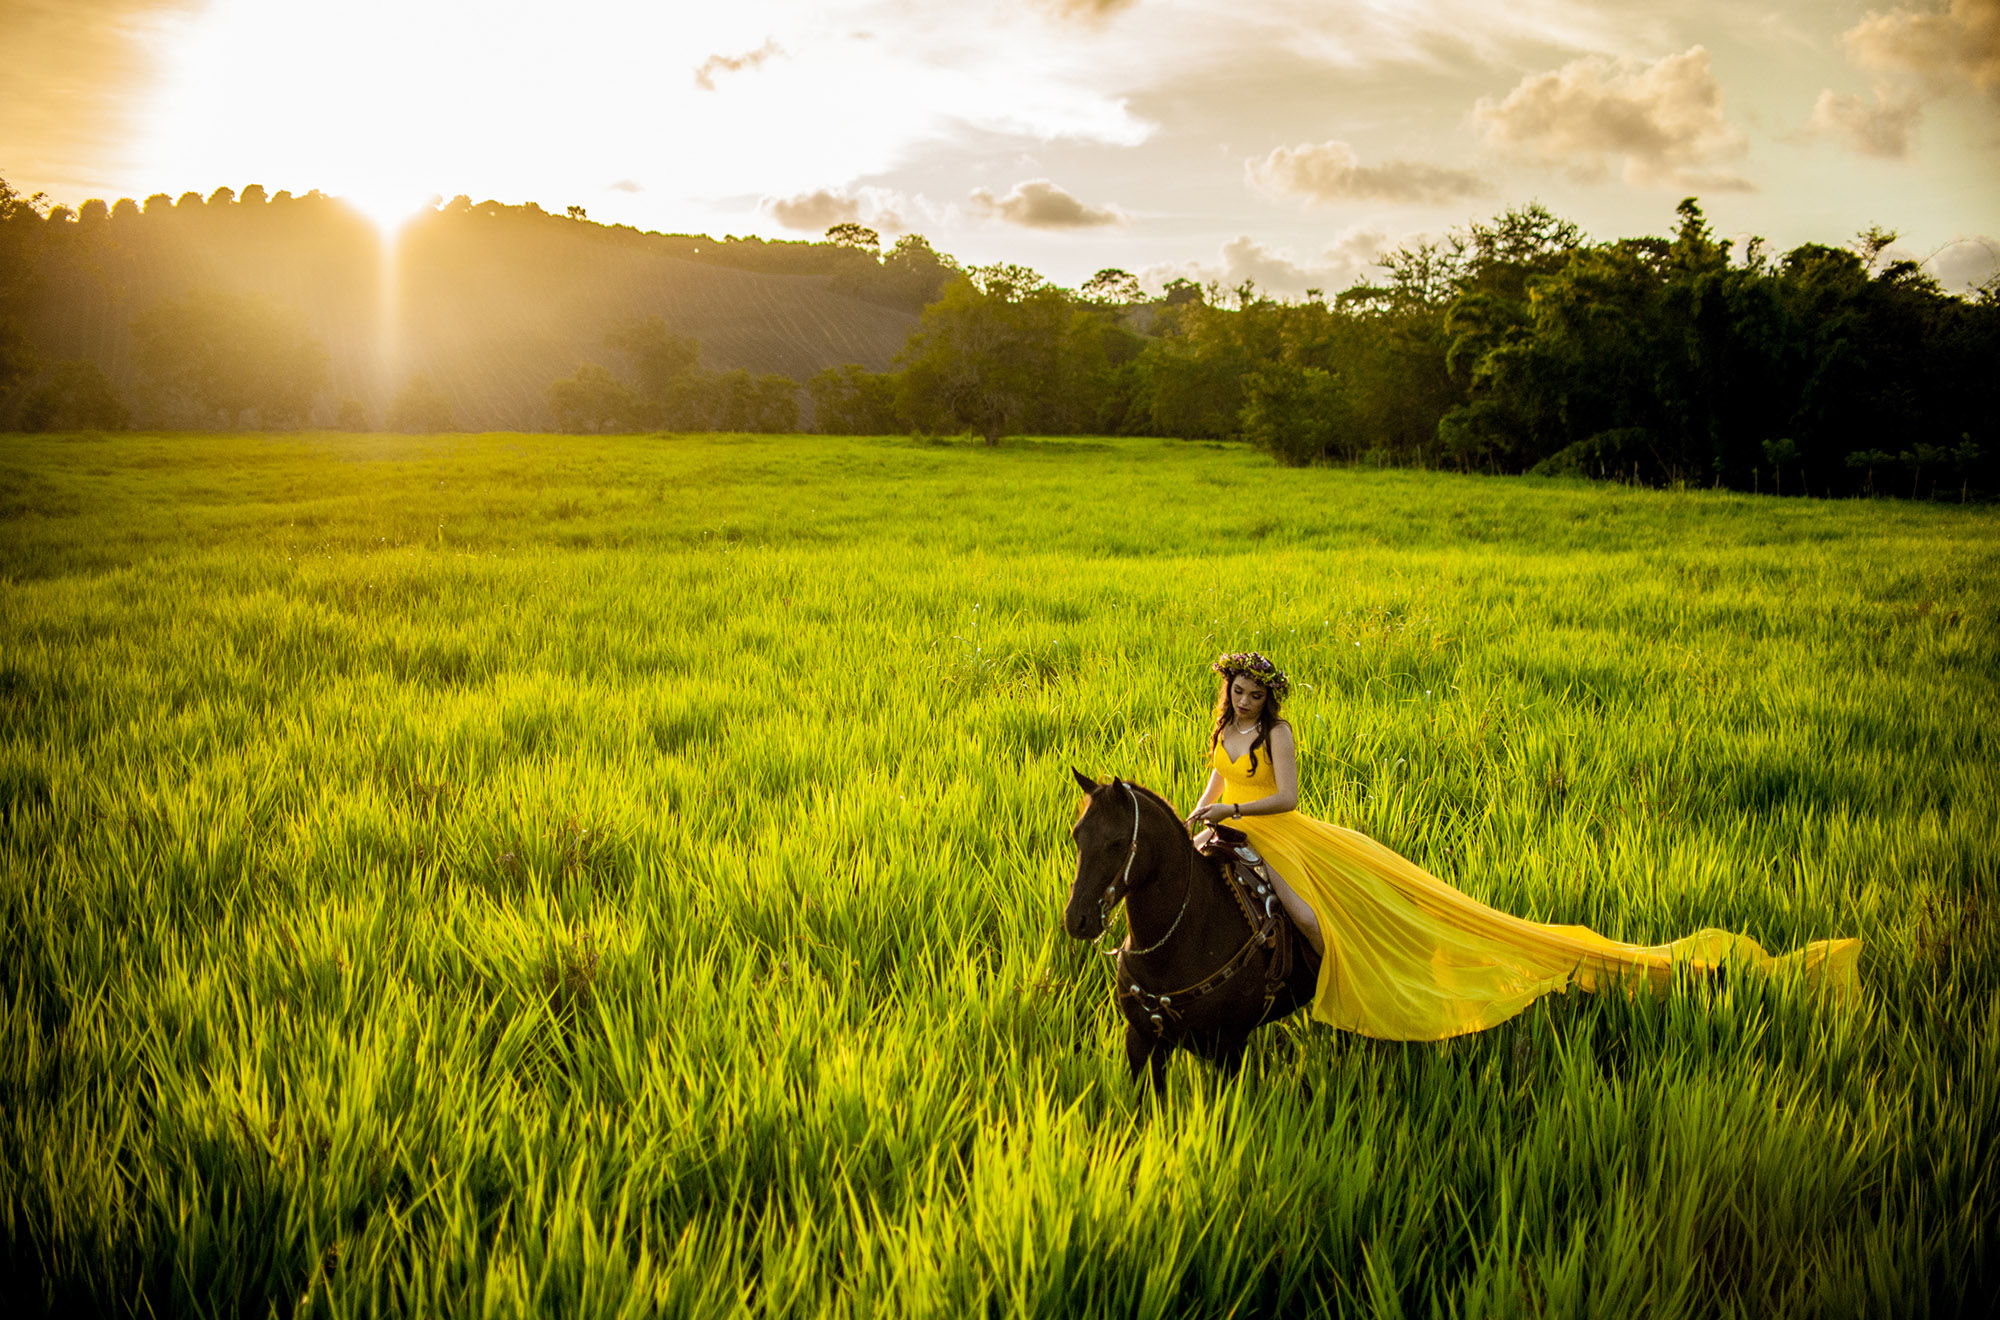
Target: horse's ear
[1083,781]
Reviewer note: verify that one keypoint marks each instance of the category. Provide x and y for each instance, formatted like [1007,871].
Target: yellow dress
[1411,958]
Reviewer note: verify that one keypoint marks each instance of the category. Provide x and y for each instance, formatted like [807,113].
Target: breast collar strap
[1161,1010]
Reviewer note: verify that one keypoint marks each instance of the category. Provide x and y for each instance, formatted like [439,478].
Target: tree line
[1512,345]
[162,313]
[671,390]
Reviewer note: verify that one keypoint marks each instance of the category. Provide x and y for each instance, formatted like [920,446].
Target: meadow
[597,876]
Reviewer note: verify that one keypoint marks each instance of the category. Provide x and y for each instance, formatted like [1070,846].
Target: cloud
[1937,51]
[1940,51]
[1961,44]
[1664,119]
[1039,204]
[1965,263]
[815,212]
[627,186]
[1882,127]
[1349,258]
[704,77]
[1090,11]
[77,70]
[1322,172]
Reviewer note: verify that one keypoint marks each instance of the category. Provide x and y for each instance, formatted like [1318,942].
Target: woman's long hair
[1225,716]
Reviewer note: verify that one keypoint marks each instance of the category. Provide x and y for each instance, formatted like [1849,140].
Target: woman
[1408,957]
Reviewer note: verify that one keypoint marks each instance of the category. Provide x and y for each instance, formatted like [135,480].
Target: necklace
[1251,729]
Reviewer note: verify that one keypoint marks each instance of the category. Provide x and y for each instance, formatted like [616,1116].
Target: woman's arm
[1208,795]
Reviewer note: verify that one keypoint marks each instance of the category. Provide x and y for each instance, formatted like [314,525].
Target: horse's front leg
[1144,1049]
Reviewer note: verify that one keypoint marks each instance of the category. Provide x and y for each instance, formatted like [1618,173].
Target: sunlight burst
[387,206]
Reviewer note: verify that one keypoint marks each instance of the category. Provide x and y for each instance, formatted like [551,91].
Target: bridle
[1116,892]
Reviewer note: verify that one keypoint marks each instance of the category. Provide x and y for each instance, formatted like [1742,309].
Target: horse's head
[1108,840]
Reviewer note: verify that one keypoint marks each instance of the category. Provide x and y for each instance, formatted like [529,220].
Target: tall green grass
[549,875]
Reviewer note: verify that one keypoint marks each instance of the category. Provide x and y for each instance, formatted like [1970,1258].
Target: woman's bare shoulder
[1281,730]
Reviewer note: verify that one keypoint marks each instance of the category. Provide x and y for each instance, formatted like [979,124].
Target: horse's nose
[1083,922]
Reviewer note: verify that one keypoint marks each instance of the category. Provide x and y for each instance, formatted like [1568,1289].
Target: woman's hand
[1210,814]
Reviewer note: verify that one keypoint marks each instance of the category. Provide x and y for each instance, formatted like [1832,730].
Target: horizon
[1172,138]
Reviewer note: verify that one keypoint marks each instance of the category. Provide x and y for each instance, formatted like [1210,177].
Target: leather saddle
[1250,875]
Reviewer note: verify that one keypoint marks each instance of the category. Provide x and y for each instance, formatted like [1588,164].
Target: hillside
[493,302]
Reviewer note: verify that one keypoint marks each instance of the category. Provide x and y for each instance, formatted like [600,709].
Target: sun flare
[387,206]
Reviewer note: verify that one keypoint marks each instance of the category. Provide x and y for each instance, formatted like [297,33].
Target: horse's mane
[1164,805]
[1142,791]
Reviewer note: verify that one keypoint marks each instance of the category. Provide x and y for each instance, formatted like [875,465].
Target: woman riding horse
[1406,956]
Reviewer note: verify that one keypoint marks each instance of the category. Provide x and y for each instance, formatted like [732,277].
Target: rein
[1115,892]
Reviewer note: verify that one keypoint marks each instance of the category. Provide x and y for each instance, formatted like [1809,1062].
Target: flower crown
[1252,664]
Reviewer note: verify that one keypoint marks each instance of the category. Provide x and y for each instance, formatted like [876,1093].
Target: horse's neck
[1180,885]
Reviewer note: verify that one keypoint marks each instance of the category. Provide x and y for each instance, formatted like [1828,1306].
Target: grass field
[492,875]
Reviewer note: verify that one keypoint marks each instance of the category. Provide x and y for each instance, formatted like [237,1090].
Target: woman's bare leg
[1301,912]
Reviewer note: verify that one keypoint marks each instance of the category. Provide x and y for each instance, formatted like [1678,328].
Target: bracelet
[1239,812]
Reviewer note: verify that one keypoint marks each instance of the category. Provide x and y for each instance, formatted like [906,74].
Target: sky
[1288,142]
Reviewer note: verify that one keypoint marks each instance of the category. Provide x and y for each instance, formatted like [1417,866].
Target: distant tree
[739,401]
[18,281]
[1965,462]
[1299,414]
[1520,242]
[662,362]
[578,213]
[1189,381]
[1423,277]
[350,416]
[1867,461]
[214,356]
[93,212]
[852,400]
[592,400]
[1780,453]
[775,410]
[849,234]
[1006,281]
[914,274]
[253,195]
[1871,243]
[1112,285]
[984,356]
[188,201]
[159,204]
[421,408]
[77,397]
[14,207]
[222,197]
[17,358]
[125,210]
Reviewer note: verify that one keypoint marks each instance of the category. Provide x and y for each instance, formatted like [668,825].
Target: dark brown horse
[1209,954]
